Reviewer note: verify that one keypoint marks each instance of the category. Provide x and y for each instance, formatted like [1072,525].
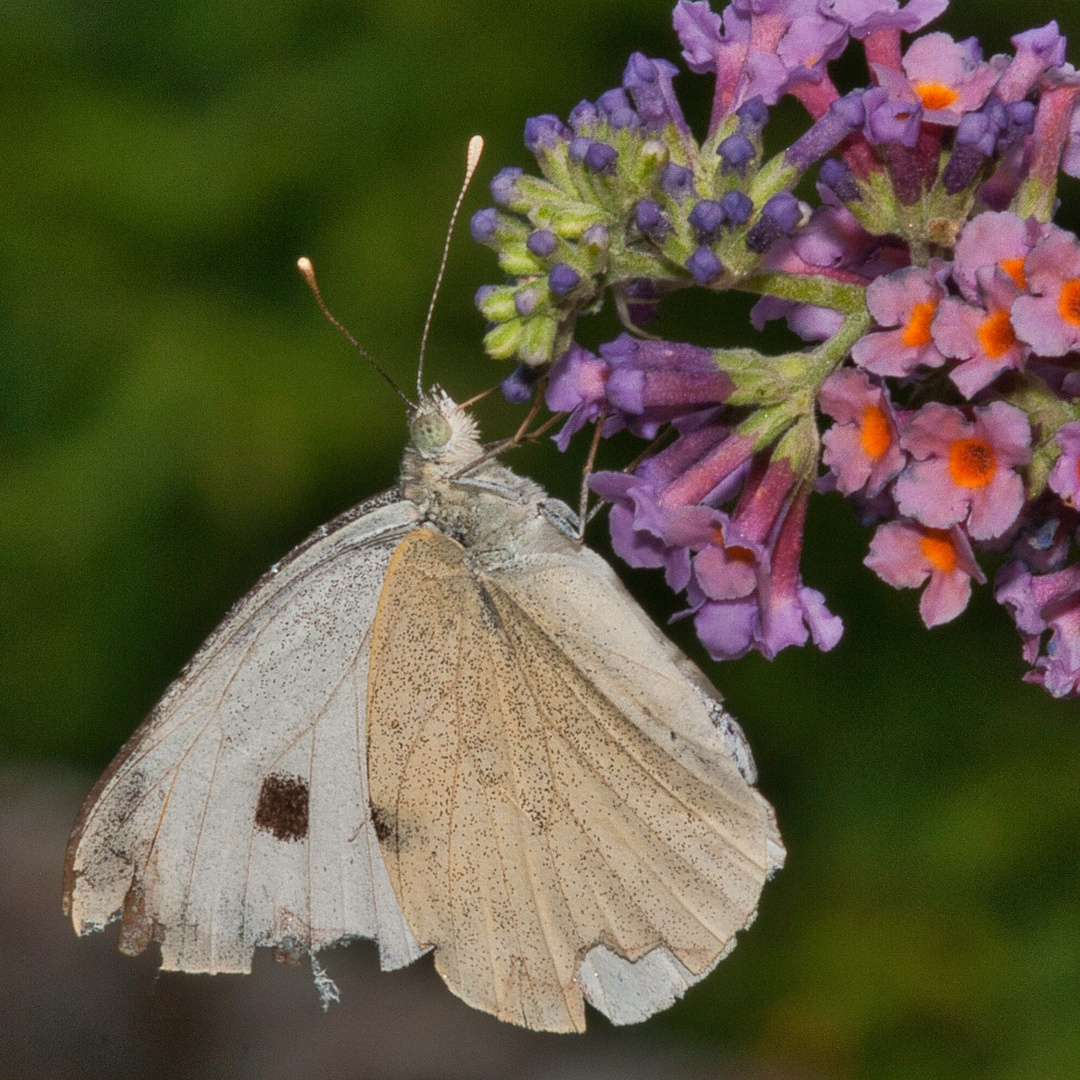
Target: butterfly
[442,723]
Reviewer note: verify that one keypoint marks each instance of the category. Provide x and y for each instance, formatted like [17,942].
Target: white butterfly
[441,722]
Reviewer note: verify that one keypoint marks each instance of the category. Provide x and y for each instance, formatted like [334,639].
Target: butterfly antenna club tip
[307,271]
[472,159]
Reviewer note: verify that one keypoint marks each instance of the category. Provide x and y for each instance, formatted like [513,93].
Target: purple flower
[724,563]
[843,116]
[724,627]
[765,535]
[863,447]
[982,337]
[907,299]
[1036,51]
[863,17]
[699,31]
[1049,320]
[977,138]
[834,238]
[649,84]
[1058,670]
[577,384]
[809,43]
[904,554]
[965,470]
[791,613]
[1046,602]
[706,462]
[651,382]
[893,115]
[759,50]
[1065,475]
[809,322]
[993,240]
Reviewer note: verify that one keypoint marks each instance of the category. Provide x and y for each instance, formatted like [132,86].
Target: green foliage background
[174,415]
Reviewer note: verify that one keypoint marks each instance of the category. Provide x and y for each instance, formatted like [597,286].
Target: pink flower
[995,240]
[863,447]
[965,470]
[1065,475]
[908,300]
[983,337]
[948,78]
[1049,320]
[904,554]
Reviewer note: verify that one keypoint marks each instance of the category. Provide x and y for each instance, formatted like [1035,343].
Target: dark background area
[175,414]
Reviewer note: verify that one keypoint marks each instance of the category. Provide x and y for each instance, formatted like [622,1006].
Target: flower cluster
[939,386]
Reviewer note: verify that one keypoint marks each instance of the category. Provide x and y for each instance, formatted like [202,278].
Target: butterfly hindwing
[237,815]
[556,800]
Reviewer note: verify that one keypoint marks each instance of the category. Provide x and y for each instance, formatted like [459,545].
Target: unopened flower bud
[563,279]
[704,265]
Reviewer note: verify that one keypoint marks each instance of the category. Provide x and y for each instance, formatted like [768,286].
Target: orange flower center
[935,95]
[972,463]
[996,334]
[874,435]
[1015,269]
[1069,302]
[917,332]
[939,550]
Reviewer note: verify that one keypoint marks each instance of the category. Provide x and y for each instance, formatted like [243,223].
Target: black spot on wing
[384,822]
[283,807]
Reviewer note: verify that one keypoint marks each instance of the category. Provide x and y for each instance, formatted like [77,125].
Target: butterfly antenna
[472,159]
[303,264]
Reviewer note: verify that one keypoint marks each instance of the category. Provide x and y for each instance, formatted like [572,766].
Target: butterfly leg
[586,472]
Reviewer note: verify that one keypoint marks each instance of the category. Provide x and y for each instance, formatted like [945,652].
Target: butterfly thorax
[445,473]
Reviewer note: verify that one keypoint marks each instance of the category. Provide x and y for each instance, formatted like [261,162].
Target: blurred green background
[175,414]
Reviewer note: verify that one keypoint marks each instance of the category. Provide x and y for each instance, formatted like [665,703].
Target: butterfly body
[444,724]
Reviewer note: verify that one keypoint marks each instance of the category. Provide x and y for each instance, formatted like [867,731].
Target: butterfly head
[442,432]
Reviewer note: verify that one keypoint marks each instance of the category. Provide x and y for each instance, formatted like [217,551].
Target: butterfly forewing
[552,796]
[237,815]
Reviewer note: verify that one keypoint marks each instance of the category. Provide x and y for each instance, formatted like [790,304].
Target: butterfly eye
[430,431]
